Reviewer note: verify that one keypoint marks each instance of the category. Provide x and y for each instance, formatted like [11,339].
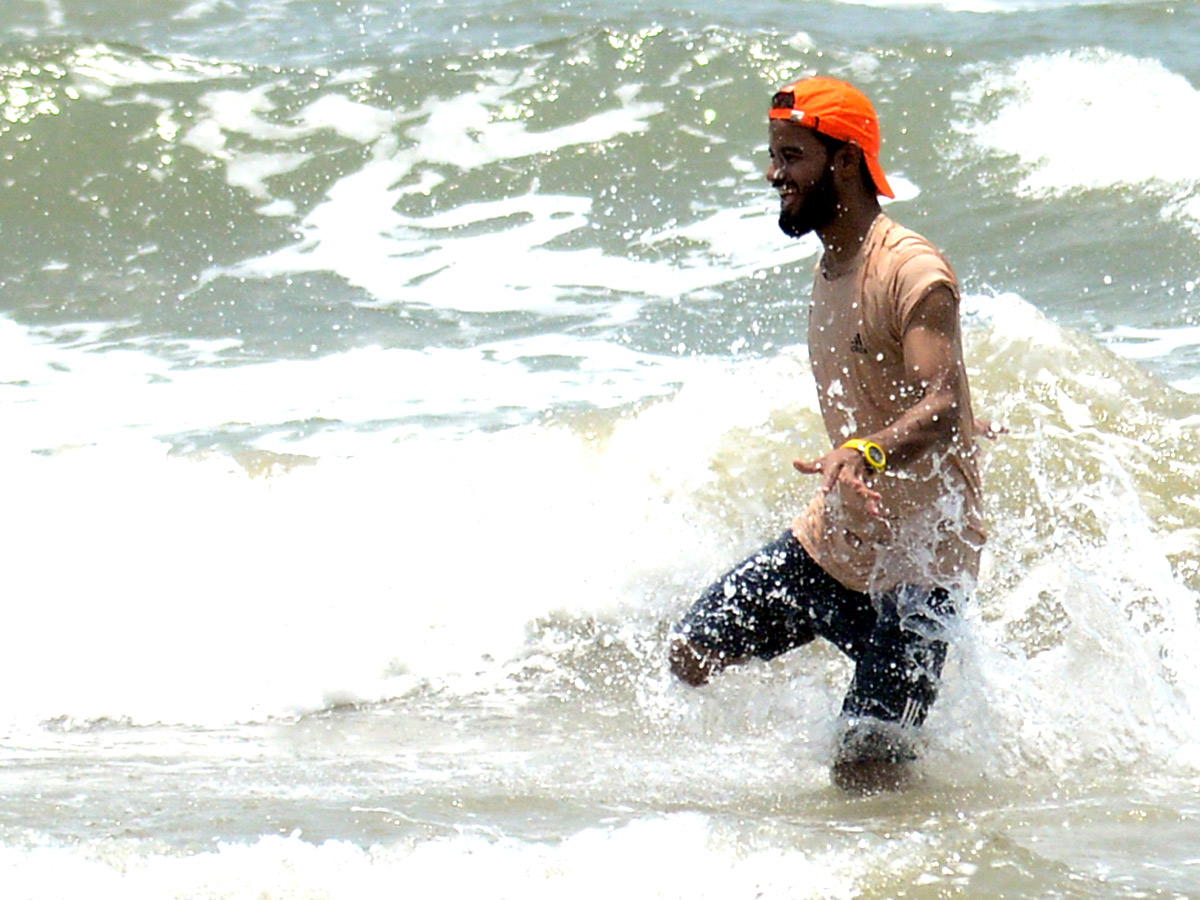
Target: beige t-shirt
[930,528]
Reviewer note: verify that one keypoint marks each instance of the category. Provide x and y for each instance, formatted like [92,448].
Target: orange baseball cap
[839,110]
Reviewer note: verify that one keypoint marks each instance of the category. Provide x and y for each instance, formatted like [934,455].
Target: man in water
[889,547]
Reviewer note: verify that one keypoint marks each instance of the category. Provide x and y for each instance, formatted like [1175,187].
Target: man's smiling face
[801,171]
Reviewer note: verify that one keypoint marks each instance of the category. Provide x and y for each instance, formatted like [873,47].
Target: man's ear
[848,160]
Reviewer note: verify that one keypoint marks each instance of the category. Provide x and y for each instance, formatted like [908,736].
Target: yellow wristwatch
[871,452]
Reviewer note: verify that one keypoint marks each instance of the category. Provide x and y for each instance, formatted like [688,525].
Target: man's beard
[815,212]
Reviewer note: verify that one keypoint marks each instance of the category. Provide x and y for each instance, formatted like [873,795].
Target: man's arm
[931,353]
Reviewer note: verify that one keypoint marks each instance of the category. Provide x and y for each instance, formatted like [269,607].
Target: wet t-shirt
[930,528]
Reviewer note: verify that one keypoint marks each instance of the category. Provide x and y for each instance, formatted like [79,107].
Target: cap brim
[881,182]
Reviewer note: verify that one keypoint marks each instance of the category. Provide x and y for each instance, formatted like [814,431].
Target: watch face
[875,456]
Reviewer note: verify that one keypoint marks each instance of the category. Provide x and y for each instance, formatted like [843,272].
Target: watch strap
[875,455]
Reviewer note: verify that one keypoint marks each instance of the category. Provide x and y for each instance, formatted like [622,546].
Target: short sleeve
[918,269]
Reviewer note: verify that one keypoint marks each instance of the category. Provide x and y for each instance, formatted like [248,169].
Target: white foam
[1066,117]
[254,597]
[746,237]
[381,566]
[100,68]
[1185,206]
[1122,642]
[1082,590]
[675,855]
[236,125]
[58,394]
[246,113]
[408,259]
[1151,343]
[988,6]
[358,233]
[199,9]
[250,171]
[352,119]
[462,258]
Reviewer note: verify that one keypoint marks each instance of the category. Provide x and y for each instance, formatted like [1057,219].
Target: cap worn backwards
[836,109]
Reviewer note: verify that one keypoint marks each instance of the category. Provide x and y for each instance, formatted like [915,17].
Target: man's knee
[693,663]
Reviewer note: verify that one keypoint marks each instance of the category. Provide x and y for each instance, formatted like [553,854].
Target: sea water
[380,382]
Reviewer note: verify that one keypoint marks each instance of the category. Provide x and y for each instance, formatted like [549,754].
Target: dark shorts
[779,599]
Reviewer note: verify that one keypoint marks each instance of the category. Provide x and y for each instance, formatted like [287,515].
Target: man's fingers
[817,467]
[840,472]
[867,494]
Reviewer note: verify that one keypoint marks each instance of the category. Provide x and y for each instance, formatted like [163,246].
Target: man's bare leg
[695,664]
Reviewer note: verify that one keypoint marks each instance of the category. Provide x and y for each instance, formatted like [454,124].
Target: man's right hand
[847,466]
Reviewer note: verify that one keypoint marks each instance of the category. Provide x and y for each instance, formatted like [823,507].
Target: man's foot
[873,757]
